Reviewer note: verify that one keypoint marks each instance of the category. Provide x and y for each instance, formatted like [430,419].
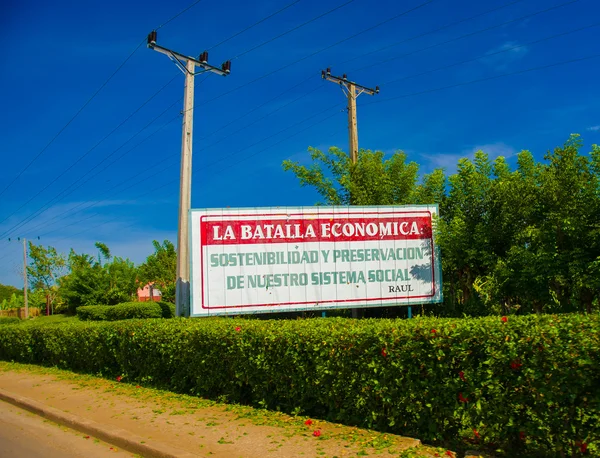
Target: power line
[281,10]
[72,187]
[73,117]
[178,14]
[307,22]
[93,97]
[166,158]
[321,121]
[541,67]
[439,29]
[483,56]
[306,94]
[272,72]
[293,29]
[214,162]
[80,158]
[466,35]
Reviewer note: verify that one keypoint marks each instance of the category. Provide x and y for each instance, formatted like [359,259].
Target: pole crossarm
[344,82]
[181,59]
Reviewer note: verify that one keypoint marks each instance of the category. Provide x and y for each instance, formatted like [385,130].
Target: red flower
[119,378]
[522,435]
[461,398]
[515,364]
[238,329]
[433,331]
[317,432]
[86,437]
[308,422]
[461,374]
[476,433]
[383,352]
[137,386]
[504,319]
[583,447]
[449,453]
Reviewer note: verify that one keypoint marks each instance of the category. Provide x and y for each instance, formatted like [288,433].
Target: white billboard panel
[280,259]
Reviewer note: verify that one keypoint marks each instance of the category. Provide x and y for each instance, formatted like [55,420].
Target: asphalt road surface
[25,435]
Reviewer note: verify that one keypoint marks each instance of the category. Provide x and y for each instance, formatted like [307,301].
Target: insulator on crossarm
[323,74]
[204,57]
[152,37]
[376,89]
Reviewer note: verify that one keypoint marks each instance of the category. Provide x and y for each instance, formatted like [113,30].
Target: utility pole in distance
[352,91]
[25,278]
[187,65]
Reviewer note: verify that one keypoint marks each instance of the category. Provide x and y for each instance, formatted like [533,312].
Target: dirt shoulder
[198,426]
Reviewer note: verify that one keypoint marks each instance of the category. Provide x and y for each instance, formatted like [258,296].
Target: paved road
[25,435]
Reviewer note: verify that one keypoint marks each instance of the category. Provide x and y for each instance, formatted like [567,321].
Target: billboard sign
[281,259]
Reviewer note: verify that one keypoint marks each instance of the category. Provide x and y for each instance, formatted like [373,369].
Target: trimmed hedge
[9,320]
[124,311]
[92,312]
[529,386]
[168,309]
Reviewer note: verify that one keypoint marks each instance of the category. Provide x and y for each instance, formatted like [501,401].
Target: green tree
[6,291]
[91,282]
[45,267]
[373,180]
[160,268]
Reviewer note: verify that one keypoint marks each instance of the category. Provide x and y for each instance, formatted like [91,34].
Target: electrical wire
[352,37]
[217,161]
[272,72]
[483,56]
[279,11]
[527,16]
[178,14]
[77,113]
[293,29]
[466,83]
[439,29]
[80,158]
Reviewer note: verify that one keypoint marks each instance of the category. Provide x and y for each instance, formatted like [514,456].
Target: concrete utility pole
[352,90]
[188,67]
[25,278]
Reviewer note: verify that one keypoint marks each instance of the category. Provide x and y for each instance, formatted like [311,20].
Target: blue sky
[58,54]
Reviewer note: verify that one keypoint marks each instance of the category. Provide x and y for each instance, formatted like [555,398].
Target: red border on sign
[286,215]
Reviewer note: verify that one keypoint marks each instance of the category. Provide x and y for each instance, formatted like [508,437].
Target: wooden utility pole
[352,91]
[188,66]
[25,278]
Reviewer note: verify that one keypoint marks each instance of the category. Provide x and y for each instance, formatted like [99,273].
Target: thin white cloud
[502,56]
[594,128]
[449,161]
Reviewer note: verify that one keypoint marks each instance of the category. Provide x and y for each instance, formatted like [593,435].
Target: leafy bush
[528,385]
[168,309]
[92,312]
[128,310]
[9,320]
[124,311]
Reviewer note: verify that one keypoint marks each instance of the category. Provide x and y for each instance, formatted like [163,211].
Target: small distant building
[149,293]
